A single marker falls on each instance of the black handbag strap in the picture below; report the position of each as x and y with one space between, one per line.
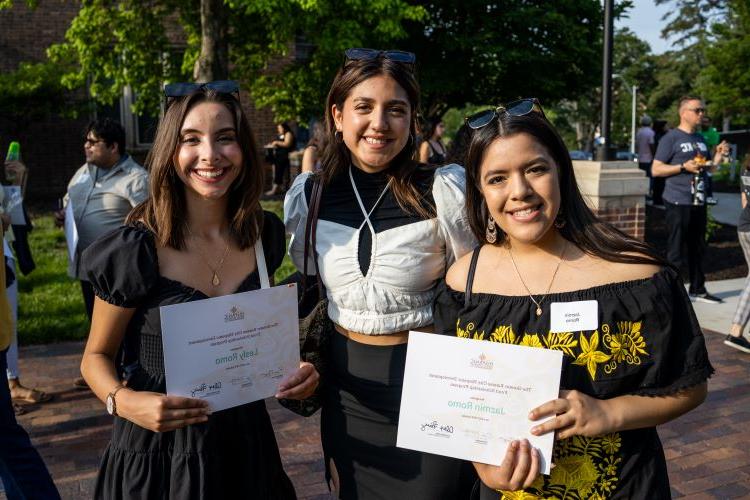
311 226
470 276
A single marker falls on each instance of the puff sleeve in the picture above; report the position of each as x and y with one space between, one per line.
122 266
449 192
274 241
295 218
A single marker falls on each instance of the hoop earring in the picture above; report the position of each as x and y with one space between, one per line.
559 220
338 136
412 140
491 233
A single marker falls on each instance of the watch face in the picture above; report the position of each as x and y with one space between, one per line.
110 404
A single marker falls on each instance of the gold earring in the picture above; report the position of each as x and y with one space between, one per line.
491 233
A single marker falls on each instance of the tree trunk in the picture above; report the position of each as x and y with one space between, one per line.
213 62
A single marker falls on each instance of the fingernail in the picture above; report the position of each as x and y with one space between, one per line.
531 415
535 430
514 445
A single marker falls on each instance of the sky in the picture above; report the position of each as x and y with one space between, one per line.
645 20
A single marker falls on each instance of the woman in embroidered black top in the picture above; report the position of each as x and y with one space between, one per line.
645 363
199 235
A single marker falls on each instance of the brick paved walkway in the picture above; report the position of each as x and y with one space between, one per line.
708 450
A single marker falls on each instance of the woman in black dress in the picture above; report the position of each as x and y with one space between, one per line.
195 237
643 365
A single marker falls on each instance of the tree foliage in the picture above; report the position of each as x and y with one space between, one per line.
468 52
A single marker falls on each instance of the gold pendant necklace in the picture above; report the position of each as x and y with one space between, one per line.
538 303
215 281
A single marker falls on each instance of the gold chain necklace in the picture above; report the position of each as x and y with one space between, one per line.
215 281
538 303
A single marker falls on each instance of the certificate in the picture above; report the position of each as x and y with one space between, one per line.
14 205
233 349
469 399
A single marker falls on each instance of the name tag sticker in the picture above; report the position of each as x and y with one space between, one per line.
574 316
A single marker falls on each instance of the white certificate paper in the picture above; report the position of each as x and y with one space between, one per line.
14 204
233 349
469 399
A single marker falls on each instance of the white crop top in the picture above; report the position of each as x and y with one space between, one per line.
406 262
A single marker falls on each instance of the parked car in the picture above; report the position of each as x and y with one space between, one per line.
625 156
577 154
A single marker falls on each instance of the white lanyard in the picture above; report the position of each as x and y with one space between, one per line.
260 264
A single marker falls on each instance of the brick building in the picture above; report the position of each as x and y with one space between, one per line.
53 148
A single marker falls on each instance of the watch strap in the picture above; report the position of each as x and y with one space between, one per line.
111 397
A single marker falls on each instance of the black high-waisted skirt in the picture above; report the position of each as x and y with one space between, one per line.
359 422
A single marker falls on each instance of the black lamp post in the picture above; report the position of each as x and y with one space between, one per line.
605 151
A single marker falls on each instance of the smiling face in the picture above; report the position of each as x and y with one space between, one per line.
208 157
374 122
520 184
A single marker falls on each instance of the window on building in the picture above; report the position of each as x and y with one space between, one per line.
139 129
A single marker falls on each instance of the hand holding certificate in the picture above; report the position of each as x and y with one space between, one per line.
233 349
469 399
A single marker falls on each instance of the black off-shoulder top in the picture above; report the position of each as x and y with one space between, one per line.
648 343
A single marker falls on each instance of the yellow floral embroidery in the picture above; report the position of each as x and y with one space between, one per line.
585 468
626 346
561 341
589 356
531 340
469 332
504 334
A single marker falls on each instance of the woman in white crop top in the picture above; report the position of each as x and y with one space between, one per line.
387 230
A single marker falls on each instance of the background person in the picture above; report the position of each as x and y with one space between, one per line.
678 159
736 336
22 470
16 171
192 239
644 364
432 150
645 146
282 146
314 149
387 229
102 191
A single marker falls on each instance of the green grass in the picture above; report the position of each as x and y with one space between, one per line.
50 303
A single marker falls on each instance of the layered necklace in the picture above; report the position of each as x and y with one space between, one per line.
215 281
538 303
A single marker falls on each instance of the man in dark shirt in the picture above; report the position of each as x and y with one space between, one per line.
678 158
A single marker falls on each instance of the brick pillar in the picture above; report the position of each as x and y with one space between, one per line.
616 192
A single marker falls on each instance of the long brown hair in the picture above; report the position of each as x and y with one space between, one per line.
336 157
582 227
163 213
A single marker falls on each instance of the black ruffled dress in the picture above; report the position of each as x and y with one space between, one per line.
234 454
648 343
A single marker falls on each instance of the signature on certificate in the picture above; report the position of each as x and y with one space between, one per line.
435 426
206 389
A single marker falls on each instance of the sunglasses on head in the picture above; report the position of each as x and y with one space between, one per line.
370 54
520 107
188 88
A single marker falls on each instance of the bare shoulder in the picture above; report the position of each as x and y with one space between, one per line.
458 272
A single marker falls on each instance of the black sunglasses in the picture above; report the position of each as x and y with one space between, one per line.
369 54
187 88
520 107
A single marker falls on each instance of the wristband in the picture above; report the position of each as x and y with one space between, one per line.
682 168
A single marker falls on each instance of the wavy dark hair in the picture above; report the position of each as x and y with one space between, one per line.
582 227
163 213
336 157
